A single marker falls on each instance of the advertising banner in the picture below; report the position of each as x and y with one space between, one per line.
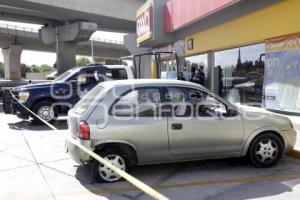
282 74
144 23
179 13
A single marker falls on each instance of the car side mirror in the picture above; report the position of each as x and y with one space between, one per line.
231 112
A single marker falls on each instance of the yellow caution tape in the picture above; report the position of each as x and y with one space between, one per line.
134 181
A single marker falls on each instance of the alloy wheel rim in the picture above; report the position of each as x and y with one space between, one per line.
46 113
266 151
106 173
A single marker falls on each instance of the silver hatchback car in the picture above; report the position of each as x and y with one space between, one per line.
137 122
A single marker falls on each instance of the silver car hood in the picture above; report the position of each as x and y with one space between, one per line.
264 118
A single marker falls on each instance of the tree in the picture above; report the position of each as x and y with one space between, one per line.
45 68
82 61
40 69
24 69
34 68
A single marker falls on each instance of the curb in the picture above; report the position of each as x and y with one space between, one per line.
294 153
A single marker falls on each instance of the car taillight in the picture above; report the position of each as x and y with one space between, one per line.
84 130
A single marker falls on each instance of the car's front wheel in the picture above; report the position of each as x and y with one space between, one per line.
105 174
266 150
46 111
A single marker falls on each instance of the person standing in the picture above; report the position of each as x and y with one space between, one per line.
192 74
198 76
201 75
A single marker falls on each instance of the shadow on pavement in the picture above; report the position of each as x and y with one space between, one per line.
29 125
202 173
84 175
60 124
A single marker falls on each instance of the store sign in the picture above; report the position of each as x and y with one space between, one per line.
282 74
179 13
144 23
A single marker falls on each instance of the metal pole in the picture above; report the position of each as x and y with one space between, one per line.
57 50
92 50
178 66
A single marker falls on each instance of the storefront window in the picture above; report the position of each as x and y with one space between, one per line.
282 74
197 62
168 69
239 74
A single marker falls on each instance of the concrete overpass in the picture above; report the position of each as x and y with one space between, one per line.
69 22
118 15
29 39
13 39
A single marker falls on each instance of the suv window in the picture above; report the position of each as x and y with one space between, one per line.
87 77
189 102
117 74
142 102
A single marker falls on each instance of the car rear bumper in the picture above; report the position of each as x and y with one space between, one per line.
75 152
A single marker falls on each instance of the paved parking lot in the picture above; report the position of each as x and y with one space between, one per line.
34 166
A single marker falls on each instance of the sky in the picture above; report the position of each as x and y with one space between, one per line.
39 58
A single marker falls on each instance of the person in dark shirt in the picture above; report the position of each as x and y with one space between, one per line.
192 74
201 75
180 77
198 76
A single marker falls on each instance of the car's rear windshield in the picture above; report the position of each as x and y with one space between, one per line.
87 100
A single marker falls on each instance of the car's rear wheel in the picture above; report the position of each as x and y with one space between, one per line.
266 150
105 174
46 111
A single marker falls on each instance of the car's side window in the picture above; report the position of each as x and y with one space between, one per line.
86 78
179 102
119 74
189 102
142 102
209 106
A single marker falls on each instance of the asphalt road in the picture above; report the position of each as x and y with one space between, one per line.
34 166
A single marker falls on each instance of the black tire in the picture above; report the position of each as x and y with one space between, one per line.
40 105
109 153
266 150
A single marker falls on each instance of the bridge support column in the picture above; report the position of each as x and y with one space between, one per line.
12 62
65 56
66 37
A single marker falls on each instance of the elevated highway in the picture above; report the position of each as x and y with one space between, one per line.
14 39
29 39
67 26
118 15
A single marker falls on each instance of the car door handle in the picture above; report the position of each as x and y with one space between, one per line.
176 126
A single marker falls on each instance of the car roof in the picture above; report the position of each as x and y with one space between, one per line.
117 66
97 66
150 82
160 82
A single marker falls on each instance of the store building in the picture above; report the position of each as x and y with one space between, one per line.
250 49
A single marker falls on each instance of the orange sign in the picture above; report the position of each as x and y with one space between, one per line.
144 23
